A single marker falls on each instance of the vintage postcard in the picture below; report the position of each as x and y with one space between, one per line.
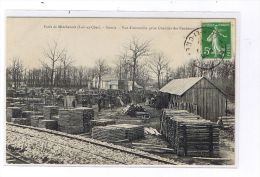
120 91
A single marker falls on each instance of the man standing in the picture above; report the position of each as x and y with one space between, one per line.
99 103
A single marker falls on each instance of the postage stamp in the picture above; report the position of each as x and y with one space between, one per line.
216 40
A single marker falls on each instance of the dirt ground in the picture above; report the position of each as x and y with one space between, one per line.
227 144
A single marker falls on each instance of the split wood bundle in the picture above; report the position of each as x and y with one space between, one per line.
190 135
21 121
48 124
108 133
13 112
37 113
102 122
132 132
70 121
35 120
37 106
20 105
87 114
27 114
49 111
55 118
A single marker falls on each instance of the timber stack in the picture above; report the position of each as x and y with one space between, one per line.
13 112
102 122
108 133
70 121
49 111
189 134
35 119
118 132
86 114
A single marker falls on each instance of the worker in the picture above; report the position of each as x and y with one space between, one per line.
73 103
99 103
220 123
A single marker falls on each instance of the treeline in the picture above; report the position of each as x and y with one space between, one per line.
220 72
57 69
137 63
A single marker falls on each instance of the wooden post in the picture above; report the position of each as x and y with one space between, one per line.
210 140
226 108
185 139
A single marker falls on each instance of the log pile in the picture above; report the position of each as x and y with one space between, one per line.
108 133
70 121
21 121
132 132
87 114
13 112
48 124
35 120
49 111
113 133
190 135
27 114
37 106
102 122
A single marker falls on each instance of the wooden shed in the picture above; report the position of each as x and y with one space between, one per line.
198 95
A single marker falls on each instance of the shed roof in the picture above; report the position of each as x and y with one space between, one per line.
180 86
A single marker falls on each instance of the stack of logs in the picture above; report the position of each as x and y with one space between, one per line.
113 133
108 133
70 122
87 114
132 132
102 122
75 121
16 115
49 111
189 134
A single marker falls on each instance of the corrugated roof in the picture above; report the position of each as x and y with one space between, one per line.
180 86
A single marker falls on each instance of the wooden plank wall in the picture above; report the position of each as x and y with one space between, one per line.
211 103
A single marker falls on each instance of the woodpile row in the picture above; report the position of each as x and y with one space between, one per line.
189 134
114 133
73 121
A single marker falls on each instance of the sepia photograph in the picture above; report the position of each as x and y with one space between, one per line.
121 91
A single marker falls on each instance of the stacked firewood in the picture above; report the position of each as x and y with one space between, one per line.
189 134
102 122
87 114
13 112
113 133
48 124
70 121
49 111
132 132
35 120
108 133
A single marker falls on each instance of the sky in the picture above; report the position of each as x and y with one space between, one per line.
89 39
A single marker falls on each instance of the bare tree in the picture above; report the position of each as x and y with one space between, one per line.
158 64
101 69
66 62
52 55
138 49
16 71
143 75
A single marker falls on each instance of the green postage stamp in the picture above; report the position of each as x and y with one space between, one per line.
216 40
